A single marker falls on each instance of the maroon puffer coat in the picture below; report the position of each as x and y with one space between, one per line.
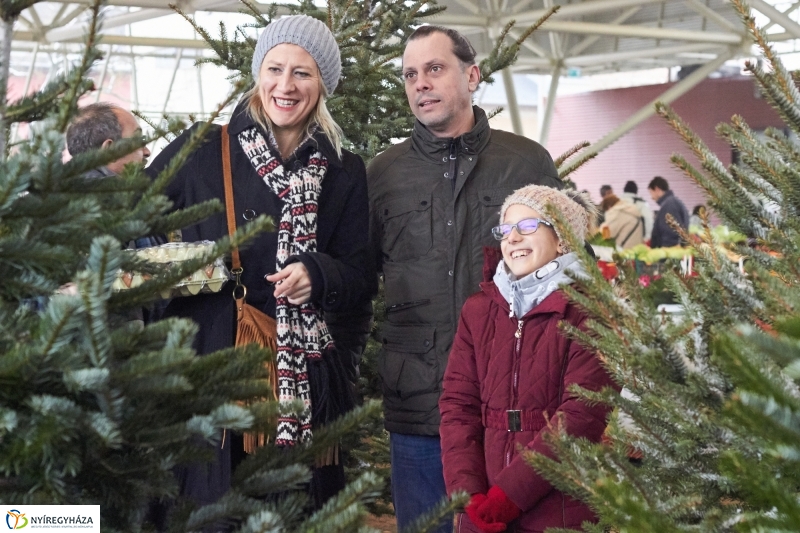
495 380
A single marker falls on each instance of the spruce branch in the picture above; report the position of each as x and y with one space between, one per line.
503 55
560 160
69 102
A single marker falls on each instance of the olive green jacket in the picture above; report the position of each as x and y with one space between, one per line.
433 202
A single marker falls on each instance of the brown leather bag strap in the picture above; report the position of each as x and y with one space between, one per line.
229 208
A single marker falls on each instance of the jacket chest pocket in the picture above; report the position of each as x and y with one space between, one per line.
407 228
491 200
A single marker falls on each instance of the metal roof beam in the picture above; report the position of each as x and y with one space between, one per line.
791 8
79 30
614 57
574 10
227 6
669 96
705 11
529 17
642 32
589 41
160 42
777 17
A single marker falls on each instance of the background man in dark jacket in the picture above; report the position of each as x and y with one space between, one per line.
669 204
433 201
99 126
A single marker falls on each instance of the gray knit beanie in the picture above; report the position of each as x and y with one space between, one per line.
312 36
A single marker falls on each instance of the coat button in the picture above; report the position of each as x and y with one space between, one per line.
449 222
332 297
446 174
450 273
427 343
444 159
470 159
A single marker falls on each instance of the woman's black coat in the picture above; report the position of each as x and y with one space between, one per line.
342 279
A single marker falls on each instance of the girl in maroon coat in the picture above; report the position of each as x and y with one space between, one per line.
510 369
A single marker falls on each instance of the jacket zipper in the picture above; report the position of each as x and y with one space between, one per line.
453 160
515 374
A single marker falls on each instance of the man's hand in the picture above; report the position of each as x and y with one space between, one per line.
293 282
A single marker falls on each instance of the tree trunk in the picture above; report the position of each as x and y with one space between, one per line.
7 29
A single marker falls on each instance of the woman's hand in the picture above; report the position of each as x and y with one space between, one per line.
293 282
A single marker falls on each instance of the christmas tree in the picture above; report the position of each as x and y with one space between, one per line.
97 408
706 434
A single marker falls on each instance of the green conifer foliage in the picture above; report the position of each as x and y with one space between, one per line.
95 407
711 399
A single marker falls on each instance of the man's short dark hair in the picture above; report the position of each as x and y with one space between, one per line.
659 182
462 48
631 187
91 127
605 189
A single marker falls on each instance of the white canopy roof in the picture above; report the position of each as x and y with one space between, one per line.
594 36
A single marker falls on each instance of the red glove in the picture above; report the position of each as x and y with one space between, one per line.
472 512
498 508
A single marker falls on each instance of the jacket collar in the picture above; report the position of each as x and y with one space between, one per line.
556 303
665 197
472 142
99 172
241 120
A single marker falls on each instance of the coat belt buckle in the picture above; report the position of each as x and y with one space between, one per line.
514 420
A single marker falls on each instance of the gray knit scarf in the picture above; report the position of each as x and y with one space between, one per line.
302 333
525 293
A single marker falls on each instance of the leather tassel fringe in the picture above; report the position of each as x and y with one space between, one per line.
328 457
253 326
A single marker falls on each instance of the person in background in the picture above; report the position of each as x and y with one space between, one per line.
287 163
510 371
623 222
433 200
630 194
605 190
99 126
695 219
669 204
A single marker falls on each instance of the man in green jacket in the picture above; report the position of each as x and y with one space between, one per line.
433 201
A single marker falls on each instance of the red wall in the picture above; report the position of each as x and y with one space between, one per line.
644 152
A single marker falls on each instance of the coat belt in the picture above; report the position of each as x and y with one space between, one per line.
514 419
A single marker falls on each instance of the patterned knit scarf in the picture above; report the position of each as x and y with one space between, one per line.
302 333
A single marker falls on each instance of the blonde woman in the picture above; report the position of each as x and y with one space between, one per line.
287 162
